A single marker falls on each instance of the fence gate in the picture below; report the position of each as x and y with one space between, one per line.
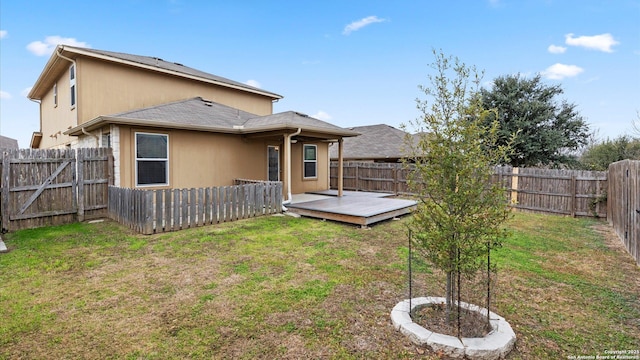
52 187
623 200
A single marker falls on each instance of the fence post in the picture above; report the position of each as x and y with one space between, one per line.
573 195
80 182
148 212
514 185
6 169
357 177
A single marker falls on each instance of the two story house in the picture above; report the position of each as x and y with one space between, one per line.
172 126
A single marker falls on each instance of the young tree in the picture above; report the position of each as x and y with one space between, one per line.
548 130
460 211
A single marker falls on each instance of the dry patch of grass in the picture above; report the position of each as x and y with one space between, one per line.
279 287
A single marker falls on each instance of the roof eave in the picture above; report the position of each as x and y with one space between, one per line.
293 126
103 120
37 91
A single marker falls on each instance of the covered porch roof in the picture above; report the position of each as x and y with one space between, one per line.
198 114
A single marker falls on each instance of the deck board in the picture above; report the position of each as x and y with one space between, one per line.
360 210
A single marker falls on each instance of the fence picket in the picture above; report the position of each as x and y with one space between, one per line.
155 211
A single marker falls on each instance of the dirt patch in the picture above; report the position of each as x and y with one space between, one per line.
434 318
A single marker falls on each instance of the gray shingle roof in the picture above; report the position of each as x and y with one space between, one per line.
195 111
375 142
8 143
171 66
203 115
291 119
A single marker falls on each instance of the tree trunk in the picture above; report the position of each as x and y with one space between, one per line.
449 296
488 282
459 290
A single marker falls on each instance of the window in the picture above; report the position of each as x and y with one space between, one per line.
152 159
72 84
55 95
106 140
310 160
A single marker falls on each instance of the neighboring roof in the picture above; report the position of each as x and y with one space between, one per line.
204 115
8 143
57 64
374 143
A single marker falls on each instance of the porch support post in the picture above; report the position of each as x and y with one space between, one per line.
286 192
287 164
340 169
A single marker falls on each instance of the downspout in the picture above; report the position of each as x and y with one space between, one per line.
287 161
93 135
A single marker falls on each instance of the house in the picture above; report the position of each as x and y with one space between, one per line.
172 126
376 143
8 143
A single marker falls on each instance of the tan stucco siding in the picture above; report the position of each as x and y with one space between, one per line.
56 119
106 88
199 159
321 182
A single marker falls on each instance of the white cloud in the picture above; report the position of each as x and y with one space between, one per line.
357 25
561 71
42 48
321 115
555 49
602 42
26 91
4 95
3 34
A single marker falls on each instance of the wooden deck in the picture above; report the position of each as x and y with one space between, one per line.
369 194
354 209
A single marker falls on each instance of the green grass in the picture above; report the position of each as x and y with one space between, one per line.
280 287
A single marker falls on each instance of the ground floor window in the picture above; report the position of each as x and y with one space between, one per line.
310 161
152 159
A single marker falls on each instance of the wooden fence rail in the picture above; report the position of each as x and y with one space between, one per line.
624 204
156 211
568 192
53 187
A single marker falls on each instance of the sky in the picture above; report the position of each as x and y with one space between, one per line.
351 63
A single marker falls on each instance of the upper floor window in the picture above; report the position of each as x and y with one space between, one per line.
55 94
152 159
310 161
72 84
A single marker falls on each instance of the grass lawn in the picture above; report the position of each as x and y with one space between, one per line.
286 288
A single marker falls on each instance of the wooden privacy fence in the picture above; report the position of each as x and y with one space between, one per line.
624 204
569 192
375 177
53 187
559 191
156 211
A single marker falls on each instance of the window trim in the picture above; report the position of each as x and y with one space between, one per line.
55 94
305 161
136 159
73 99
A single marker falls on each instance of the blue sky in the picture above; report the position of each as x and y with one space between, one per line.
350 63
